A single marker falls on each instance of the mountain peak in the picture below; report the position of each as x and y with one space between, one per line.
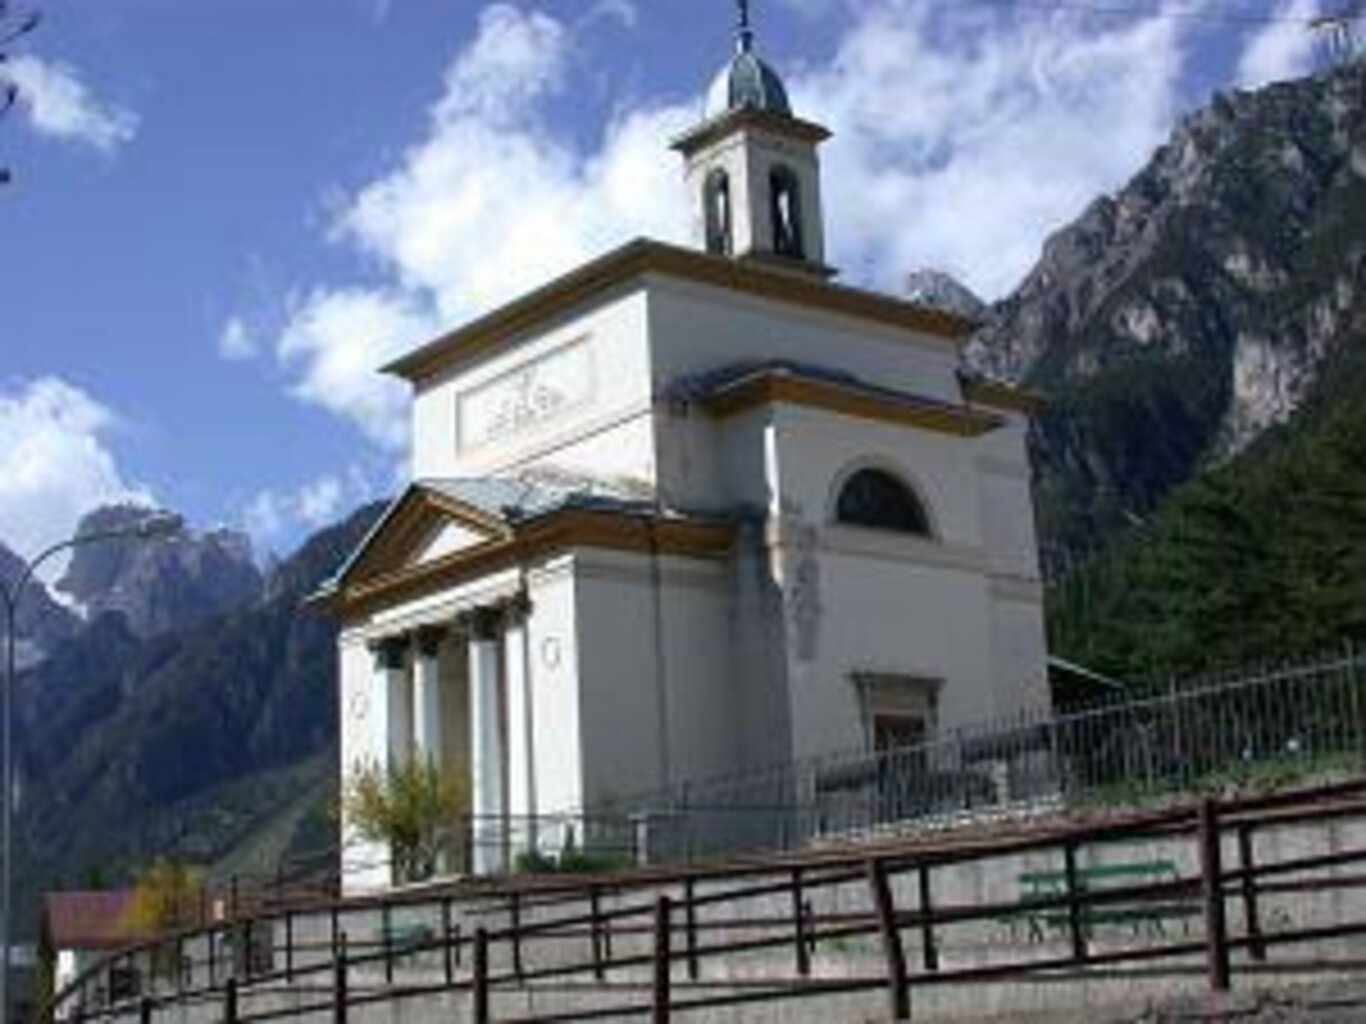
160 585
938 289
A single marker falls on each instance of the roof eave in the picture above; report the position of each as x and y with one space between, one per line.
642 256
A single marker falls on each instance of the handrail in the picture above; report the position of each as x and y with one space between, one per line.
824 869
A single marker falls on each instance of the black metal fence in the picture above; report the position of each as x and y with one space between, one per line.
1267 729
1273 728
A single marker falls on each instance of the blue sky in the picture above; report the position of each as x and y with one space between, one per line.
226 213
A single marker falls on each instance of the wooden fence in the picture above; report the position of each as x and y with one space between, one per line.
668 938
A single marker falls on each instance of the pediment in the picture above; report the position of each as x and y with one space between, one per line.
423 528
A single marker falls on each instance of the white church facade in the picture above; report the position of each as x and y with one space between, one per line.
690 512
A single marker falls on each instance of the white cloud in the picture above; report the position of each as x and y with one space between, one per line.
59 104
624 12
273 516
55 463
1283 49
337 340
236 341
963 135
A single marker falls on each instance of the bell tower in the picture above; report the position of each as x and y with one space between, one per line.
752 167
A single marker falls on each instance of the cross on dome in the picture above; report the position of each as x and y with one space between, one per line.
745 30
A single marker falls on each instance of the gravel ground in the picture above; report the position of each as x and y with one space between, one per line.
1343 1002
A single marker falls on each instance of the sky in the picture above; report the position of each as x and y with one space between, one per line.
227 214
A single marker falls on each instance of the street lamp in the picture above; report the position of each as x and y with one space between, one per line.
155 526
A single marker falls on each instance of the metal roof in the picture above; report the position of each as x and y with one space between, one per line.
515 499
746 81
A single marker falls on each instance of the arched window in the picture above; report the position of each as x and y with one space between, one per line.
876 499
785 197
716 204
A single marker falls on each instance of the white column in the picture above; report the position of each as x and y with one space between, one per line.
521 741
487 751
427 697
398 695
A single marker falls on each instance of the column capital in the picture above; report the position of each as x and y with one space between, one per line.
482 623
429 640
517 608
390 652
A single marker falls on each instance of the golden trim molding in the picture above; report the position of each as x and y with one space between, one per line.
997 395
557 531
627 265
852 400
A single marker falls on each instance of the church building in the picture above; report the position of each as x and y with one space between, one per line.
686 513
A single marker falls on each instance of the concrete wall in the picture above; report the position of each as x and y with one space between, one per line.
1101 992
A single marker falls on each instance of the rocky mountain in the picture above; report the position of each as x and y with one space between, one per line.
1178 320
43 623
940 290
173 583
140 737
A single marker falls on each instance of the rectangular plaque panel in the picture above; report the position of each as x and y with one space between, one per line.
525 398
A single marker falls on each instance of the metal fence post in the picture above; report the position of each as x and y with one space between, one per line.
898 986
1216 924
230 1002
479 990
145 1010
289 946
386 930
340 996
595 930
515 923
799 924
1256 944
448 954
662 961
931 948
1076 917
690 924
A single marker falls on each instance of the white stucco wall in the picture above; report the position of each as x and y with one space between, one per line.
555 674
867 601
541 398
655 701
696 327
364 721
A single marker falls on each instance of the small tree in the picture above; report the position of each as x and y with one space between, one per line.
166 897
407 806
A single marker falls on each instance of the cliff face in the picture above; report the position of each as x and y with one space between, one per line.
193 706
159 587
1178 320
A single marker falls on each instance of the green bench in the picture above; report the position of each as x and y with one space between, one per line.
398 939
1142 914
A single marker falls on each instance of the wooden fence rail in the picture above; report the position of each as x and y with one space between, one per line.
668 941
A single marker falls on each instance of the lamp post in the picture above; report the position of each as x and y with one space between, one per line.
153 527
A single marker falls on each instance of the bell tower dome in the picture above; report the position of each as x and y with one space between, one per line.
752 168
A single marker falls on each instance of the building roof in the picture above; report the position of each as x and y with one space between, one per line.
88 920
747 82
521 519
743 385
517 499
609 274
